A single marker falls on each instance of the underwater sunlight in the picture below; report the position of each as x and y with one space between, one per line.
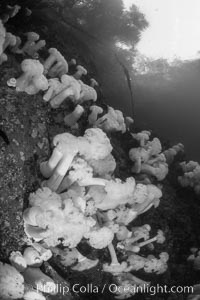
174 29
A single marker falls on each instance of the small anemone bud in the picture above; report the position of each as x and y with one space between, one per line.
123 233
72 62
32 257
93 82
95 111
12 82
80 71
72 118
128 121
17 260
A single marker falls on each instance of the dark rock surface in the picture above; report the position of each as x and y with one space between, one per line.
23 119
